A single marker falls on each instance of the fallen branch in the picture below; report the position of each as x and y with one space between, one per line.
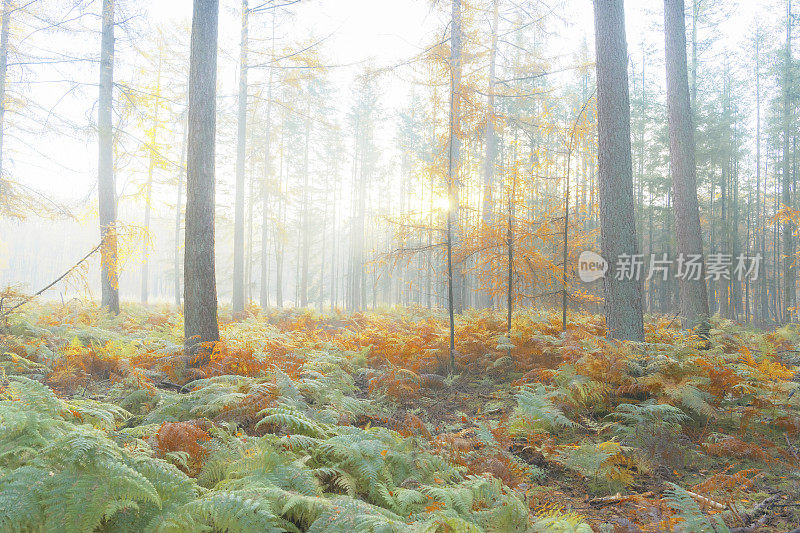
617 498
4 312
707 501
753 518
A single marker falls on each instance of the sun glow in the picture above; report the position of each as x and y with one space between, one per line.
440 203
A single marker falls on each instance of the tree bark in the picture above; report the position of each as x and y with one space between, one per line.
693 293
178 216
455 274
279 244
623 302
306 211
3 69
760 312
238 231
491 149
106 186
200 289
149 187
264 300
789 275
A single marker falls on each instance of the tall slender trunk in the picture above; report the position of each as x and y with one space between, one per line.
248 262
200 286
789 274
107 189
306 212
454 268
334 288
151 165
3 69
432 187
759 313
565 248
454 275
279 244
623 302
321 294
264 299
510 238
178 217
241 140
491 150
693 292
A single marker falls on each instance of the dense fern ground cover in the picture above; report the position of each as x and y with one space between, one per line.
302 422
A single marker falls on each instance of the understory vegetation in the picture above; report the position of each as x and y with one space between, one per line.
349 422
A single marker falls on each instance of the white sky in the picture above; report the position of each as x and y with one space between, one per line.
360 32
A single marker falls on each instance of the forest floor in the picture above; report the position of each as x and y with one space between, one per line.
349 422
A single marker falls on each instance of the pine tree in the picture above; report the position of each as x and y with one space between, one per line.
623 301
200 290
693 295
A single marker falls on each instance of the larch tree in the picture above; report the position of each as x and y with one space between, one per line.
265 187
490 139
623 301
241 138
200 286
176 258
305 209
106 185
454 268
789 270
689 240
4 29
151 165
455 280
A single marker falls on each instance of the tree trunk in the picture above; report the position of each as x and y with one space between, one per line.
306 210
623 302
510 237
455 274
321 293
760 312
789 275
178 217
491 152
279 244
200 286
264 300
238 231
3 69
149 187
693 293
106 186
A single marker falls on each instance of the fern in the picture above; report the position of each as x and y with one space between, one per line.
292 420
236 511
606 463
560 522
691 517
536 411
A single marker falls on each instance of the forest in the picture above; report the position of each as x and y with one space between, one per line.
433 266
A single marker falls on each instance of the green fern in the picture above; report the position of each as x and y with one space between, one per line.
692 519
536 412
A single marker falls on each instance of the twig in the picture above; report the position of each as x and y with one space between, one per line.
59 278
617 498
752 516
706 501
